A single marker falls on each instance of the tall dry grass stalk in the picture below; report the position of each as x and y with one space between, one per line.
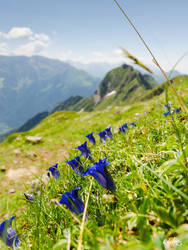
154 58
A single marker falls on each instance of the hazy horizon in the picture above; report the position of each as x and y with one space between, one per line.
89 32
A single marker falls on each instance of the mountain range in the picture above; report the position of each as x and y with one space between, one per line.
122 85
30 85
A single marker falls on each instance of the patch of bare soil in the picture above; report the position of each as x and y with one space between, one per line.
26 166
19 174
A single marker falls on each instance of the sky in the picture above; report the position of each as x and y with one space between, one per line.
94 30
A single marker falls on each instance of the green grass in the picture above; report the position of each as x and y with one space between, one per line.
147 166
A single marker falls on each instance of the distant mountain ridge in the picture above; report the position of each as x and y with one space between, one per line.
122 85
30 85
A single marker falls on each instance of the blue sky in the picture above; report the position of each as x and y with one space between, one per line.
94 30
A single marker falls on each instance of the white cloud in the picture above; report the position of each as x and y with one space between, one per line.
31 48
97 54
111 58
117 52
1 34
37 42
94 57
18 32
24 32
4 49
41 37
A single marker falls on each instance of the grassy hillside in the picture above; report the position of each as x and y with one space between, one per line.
149 206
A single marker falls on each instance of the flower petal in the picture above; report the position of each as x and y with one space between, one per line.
72 201
99 172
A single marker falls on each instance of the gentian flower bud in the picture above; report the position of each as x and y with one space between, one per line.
103 136
166 114
123 128
85 150
91 138
54 171
168 106
29 197
108 132
76 165
177 110
133 124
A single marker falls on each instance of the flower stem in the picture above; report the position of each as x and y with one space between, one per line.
84 217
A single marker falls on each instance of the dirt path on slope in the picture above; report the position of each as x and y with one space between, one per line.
26 166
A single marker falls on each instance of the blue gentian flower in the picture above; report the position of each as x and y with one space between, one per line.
108 132
103 136
73 202
91 138
168 106
85 150
123 128
177 110
99 172
166 114
76 165
29 197
133 124
54 171
8 234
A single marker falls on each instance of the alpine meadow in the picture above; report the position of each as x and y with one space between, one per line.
93 163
